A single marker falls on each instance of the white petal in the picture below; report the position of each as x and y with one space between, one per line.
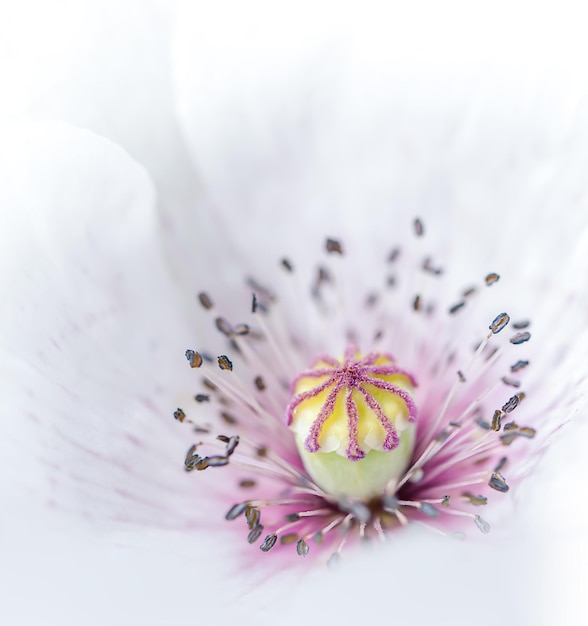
308 121
93 334
104 65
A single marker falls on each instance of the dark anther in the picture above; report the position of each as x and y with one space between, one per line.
224 363
499 322
287 265
492 278
192 459
255 533
288 538
430 268
217 461
302 548
456 307
292 517
268 543
520 338
205 300
482 423
416 303
501 464
241 329
236 510
511 382
194 358
247 483
201 397
232 443
470 291
394 253
519 365
496 420
223 326
475 500
333 246
179 415
253 515
460 375
419 228
521 325
259 383
228 418
498 482
223 438
511 404
254 304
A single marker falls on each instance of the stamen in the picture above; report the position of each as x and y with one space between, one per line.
224 363
205 300
520 338
491 279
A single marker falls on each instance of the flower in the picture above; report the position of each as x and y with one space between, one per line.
95 319
354 443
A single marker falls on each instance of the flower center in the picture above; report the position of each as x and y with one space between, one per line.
353 422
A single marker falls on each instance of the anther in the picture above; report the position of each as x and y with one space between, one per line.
496 420
394 254
268 543
519 365
416 303
224 363
287 265
288 539
475 500
255 534
456 307
201 397
194 358
498 482
205 300
521 325
228 418
499 322
259 383
520 338
247 483
241 330
252 514
511 404
501 464
419 228
511 382
179 415
491 279
302 547
223 326
232 443
217 461
333 246
236 511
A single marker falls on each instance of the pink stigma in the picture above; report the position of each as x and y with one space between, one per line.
351 377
